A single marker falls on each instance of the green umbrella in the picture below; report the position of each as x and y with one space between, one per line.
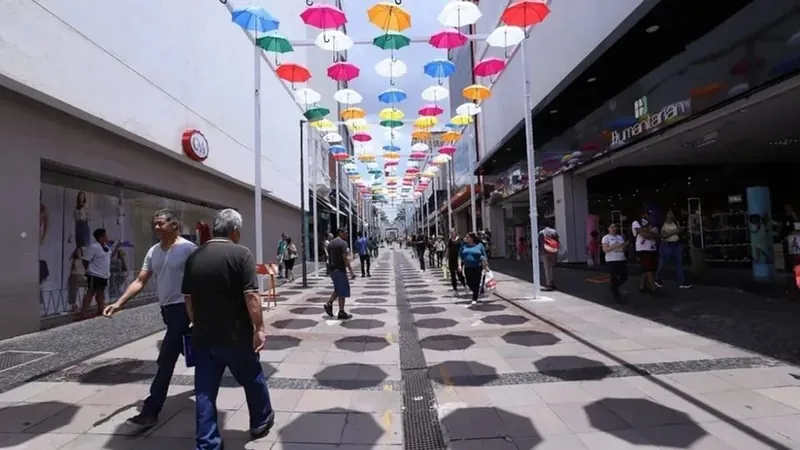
391 123
316 113
391 41
275 43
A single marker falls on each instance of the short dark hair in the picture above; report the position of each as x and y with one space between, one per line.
167 214
288 240
98 233
341 230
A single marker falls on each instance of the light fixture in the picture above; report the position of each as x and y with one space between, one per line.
785 142
652 28
591 80
553 111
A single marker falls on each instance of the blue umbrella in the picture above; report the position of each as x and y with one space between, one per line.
392 96
451 125
391 148
439 68
255 18
337 149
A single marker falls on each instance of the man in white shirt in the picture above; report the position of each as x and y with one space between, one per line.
165 261
549 242
97 261
614 246
646 235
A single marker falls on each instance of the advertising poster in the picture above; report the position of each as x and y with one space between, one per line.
759 220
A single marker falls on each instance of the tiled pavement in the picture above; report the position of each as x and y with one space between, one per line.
513 373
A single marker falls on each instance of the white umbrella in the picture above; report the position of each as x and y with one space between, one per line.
459 13
327 129
506 36
348 97
332 138
333 41
441 159
307 96
420 147
468 109
391 69
356 123
435 94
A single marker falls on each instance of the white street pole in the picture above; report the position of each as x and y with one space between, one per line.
472 181
338 200
526 89
257 154
314 169
449 204
435 206
350 217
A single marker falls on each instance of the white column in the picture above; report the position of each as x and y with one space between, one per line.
571 208
257 154
449 198
436 205
314 182
472 179
531 170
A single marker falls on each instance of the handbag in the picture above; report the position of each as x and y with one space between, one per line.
551 245
188 352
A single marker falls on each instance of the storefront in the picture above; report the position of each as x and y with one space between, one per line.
66 178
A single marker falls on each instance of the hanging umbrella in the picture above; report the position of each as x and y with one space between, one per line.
332 138
391 155
489 67
366 157
392 96
453 126
339 153
334 41
391 69
441 159
348 97
412 170
307 96
275 43
343 71
389 17
447 150
476 92
420 147
426 122
358 128
316 114
451 136
356 124
255 18
525 13
505 37
352 113
421 135
350 167
391 40
391 123
468 109
324 123
448 39
323 16
391 148
293 73
417 156
362 137
439 68
391 114
435 94
461 121
459 13
430 110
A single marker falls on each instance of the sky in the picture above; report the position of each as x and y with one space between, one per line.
369 84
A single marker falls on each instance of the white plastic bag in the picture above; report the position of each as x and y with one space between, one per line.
489 282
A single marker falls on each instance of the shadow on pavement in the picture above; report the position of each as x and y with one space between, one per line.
505 319
350 377
372 300
360 344
446 342
362 324
530 338
462 373
308 311
435 324
293 324
34 419
427 310
491 423
281 342
572 368
331 427
368 311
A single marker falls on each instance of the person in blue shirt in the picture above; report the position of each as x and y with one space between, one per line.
362 245
472 262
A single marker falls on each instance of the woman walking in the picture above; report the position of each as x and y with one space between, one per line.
290 256
473 263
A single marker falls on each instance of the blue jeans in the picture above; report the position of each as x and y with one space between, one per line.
210 364
671 251
177 320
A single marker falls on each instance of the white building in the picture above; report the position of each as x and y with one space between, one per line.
95 98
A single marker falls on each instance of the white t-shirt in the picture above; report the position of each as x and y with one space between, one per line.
671 226
643 244
167 267
616 254
99 260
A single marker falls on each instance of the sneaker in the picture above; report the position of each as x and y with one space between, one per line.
329 309
474 303
369 276
685 286
264 429
659 283
143 420
344 316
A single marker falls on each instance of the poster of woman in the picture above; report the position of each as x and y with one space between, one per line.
759 221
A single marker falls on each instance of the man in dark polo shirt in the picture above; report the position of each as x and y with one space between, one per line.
221 290
339 265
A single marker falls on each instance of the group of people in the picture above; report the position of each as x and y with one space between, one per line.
287 256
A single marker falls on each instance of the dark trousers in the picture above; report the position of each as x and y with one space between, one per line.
177 321
364 264
421 256
455 275
619 274
210 364
439 258
473 277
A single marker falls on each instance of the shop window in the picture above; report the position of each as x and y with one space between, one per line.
640 107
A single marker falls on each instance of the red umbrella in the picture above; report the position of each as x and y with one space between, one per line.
417 156
412 170
525 13
448 39
343 71
431 110
362 137
489 67
323 16
293 73
447 150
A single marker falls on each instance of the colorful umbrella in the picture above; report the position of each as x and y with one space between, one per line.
275 43
255 18
333 138
391 40
435 94
421 135
362 137
391 148
476 92
392 96
343 71
391 123
505 37
323 16
451 136
324 126
392 156
461 120
417 156
448 40
350 167
307 96
489 67
468 109
293 73
447 150
420 147
441 159
389 17
333 41
366 157
430 110
339 153
426 122
348 97
316 114
391 114
459 13
525 13
391 69
352 113
439 68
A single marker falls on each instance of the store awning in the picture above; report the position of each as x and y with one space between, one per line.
327 206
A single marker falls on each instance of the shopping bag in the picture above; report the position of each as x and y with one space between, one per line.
188 352
489 281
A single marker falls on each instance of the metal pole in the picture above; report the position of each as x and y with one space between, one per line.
436 204
449 203
315 174
304 219
472 181
526 89
338 199
257 154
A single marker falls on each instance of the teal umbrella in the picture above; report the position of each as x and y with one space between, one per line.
275 43
316 114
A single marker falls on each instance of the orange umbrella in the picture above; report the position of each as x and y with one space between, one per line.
389 17
352 113
451 136
476 92
420 135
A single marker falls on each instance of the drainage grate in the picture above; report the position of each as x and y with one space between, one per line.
12 358
421 427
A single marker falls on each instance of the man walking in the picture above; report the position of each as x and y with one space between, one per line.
362 245
646 251
221 289
420 244
614 246
165 262
328 240
453 254
280 255
550 244
339 262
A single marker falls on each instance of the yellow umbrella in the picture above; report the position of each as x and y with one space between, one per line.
476 92
359 128
426 122
323 124
352 113
391 155
461 120
391 114
389 17
420 135
366 157
451 136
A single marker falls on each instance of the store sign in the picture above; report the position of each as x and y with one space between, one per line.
195 145
648 123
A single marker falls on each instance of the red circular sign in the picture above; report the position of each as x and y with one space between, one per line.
195 145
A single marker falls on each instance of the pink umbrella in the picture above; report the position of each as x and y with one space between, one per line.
323 16
417 156
390 164
362 137
489 67
448 39
447 150
430 110
412 170
343 71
